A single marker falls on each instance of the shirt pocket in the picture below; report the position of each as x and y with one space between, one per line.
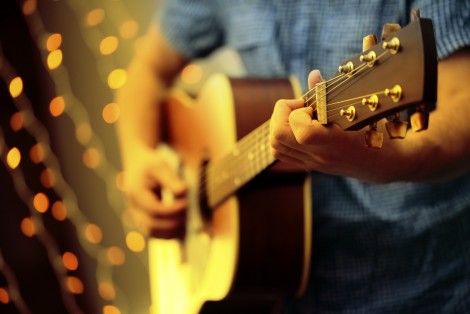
252 33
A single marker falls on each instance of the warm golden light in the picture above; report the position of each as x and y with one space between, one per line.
57 106
17 121
59 211
70 261
93 233
75 285
27 227
54 59
120 181
129 29
83 133
109 45
135 241
127 219
107 291
29 7
4 296
16 87
116 255
117 78
37 153
13 158
47 178
111 113
192 74
53 42
41 202
111 309
94 17
92 158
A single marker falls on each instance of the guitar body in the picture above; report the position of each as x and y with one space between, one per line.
254 248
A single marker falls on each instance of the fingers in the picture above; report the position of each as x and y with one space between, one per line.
314 77
168 226
166 177
306 130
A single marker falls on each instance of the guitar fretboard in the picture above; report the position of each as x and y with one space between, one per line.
250 156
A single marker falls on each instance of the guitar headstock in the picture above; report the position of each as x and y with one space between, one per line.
398 73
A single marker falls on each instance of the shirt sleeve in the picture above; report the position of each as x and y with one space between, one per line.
190 26
451 20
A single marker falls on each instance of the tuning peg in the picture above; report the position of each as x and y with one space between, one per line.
368 42
415 14
373 138
396 128
389 30
420 119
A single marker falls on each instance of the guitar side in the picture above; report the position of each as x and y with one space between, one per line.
256 246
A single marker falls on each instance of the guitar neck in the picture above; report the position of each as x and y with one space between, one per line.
248 158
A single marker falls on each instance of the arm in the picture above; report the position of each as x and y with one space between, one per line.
151 71
439 153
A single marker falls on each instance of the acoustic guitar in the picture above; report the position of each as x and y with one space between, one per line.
249 227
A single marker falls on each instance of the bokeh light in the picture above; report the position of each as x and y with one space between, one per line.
135 241
17 121
111 309
53 42
59 211
129 29
94 17
115 255
4 296
109 45
117 78
107 291
57 106
54 59
92 157
47 178
70 261
37 153
13 158
93 233
111 113
27 227
75 285
16 87
83 133
41 202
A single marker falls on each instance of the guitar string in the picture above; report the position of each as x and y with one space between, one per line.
245 173
248 140
239 147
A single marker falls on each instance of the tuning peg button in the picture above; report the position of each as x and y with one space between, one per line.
419 121
396 128
373 138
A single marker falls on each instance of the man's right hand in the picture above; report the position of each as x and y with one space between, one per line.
144 180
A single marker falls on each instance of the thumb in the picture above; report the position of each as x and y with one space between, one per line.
314 77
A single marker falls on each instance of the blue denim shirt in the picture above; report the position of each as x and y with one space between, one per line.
377 248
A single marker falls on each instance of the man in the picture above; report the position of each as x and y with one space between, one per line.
391 225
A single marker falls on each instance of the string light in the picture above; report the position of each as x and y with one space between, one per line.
94 157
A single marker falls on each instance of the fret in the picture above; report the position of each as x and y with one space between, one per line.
247 159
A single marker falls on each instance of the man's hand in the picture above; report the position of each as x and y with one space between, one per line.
434 155
144 182
298 139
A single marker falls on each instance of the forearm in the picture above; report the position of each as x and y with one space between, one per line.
150 73
139 101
